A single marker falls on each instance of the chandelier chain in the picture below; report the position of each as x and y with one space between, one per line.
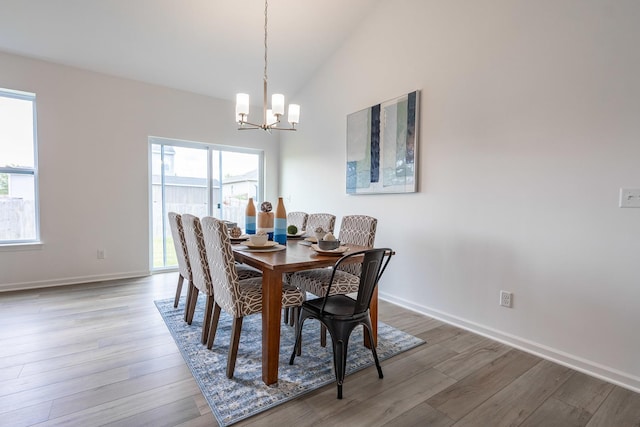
265 41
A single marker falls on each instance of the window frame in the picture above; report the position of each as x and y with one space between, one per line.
26 96
210 149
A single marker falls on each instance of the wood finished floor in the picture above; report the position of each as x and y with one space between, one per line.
100 354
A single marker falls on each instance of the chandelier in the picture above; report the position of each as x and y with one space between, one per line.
270 117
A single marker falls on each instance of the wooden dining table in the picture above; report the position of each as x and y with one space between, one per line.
297 256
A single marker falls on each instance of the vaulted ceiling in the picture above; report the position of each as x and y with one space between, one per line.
212 47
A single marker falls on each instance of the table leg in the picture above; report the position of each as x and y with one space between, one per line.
373 312
271 310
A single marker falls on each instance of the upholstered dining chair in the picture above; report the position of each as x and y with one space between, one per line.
354 229
299 219
325 220
341 313
201 278
184 268
357 230
239 298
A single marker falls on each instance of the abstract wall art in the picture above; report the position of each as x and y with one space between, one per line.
382 143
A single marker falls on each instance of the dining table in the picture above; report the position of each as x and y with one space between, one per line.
297 256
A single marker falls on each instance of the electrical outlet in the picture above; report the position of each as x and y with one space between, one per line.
100 254
505 299
629 198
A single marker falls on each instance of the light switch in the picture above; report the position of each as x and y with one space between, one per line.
630 198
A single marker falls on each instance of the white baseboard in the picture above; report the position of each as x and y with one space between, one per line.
588 367
71 281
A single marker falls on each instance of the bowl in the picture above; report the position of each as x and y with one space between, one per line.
258 239
328 245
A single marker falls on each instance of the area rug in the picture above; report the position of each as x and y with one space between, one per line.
232 400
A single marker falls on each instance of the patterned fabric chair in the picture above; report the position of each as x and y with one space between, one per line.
299 219
237 297
201 277
324 220
184 268
354 229
357 230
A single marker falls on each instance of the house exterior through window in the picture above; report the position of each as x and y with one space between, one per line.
19 220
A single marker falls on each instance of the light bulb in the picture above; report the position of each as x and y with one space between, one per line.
242 106
294 113
277 103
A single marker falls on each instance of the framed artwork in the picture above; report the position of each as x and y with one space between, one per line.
382 143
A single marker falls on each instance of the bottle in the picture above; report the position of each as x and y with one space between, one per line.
280 223
250 218
265 220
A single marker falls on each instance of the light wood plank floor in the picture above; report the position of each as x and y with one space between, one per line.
100 354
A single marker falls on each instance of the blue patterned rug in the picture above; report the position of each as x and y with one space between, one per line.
232 400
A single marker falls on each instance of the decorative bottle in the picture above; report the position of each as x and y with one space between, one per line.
250 217
265 219
280 223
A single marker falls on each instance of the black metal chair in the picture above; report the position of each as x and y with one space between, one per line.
341 313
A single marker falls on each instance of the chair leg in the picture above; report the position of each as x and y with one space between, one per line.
295 320
297 347
178 291
296 313
340 363
286 315
187 302
373 350
213 328
207 319
233 346
323 335
193 302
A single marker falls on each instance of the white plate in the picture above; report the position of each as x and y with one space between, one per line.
263 249
267 245
313 240
298 234
337 251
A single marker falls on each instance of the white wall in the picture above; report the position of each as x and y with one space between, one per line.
93 156
529 126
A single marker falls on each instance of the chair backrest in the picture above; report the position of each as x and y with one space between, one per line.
299 219
357 230
177 232
225 282
373 264
325 220
197 253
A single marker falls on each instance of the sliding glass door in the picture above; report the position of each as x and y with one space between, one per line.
198 179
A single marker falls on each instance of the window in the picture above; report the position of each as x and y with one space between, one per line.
202 180
18 168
